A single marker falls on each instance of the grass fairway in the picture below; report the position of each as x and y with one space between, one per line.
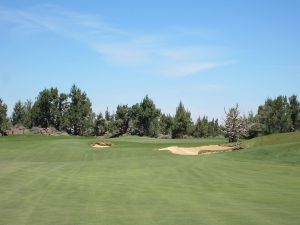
63 181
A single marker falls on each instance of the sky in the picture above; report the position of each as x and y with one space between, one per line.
209 54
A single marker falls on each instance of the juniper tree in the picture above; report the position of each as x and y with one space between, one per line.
4 123
100 126
182 122
166 124
275 116
28 114
79 112
294 107
145 116
19 114
122 118
201 128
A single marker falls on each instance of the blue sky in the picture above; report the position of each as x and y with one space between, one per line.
209 54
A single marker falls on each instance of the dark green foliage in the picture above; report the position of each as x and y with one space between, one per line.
22 114
254 128
41 109
122 118
145 116
205 128
140 119
4 122
49 109
182 122
217 129
100 125
281 118
28 114
110 123
72 113
61 118
79 113
166 124
279 115
294 111
19 114
135 124
201 127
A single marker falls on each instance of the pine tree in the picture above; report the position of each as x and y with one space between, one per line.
47 110
122 118
28 114
19 114
4 122
281 115
146 117
100 126
166 124
79 112
182 122
294 108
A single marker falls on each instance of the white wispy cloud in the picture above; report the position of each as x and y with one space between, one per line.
118 46
189 68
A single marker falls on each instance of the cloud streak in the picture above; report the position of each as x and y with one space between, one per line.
189 68
118 46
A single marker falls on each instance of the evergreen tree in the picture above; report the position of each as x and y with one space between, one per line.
79 112
110 122
211 128
4 122
182 122
217 130
41 110
254 128
281 118
108 117
122 118
197 131
275 116
46 110
134 125
146 117
205 128
166 124
28 114
100 125
265 116
60 115
19 114
294 108
201 128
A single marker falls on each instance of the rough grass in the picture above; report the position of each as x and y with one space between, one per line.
61 180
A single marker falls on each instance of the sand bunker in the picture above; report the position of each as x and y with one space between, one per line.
199 150
101 144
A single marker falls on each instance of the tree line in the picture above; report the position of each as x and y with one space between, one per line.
73 114
278 115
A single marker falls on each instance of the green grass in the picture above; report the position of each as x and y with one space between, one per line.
63 181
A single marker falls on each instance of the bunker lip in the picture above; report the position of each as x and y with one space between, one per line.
199 150
101 145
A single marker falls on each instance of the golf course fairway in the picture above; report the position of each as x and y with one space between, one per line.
47 180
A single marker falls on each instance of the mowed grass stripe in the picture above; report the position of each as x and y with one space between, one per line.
55 180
